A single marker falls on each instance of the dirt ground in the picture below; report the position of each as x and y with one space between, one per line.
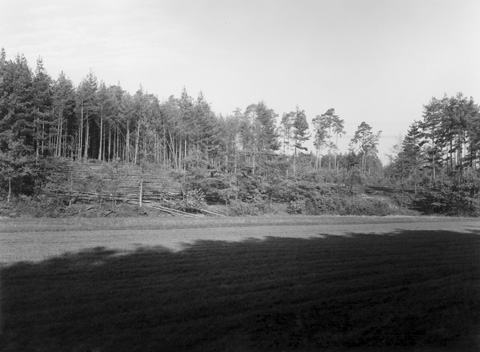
36 240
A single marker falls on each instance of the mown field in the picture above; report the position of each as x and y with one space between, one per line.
407 290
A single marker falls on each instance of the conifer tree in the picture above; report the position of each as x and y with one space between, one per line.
42 87
63 115
364 143
300 134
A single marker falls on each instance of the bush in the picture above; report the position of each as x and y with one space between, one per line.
192 201
450 196
297 206
257 206
367 206
331 205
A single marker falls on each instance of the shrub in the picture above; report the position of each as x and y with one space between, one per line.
367 206
331 205
257 206
450 196
297 206
192 201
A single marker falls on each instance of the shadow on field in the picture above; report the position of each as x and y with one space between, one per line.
413 291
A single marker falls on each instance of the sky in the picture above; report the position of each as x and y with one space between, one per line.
373 61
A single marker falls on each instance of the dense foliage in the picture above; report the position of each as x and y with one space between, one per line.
439 158
240 159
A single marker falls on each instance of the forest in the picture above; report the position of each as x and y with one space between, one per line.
251 160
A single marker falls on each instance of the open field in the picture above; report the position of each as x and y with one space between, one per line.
39 239
245 284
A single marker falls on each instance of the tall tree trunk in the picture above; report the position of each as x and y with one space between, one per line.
336 151
116 152
87 137
65 149
185 154
80 134
137 141
109 151
180 164
145 156
127 146
164 146
58 149
100 148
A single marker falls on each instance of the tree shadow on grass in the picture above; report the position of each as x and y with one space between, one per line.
413 291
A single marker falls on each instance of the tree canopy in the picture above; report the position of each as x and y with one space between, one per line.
42 117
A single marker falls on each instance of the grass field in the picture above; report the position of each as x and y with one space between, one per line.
403 291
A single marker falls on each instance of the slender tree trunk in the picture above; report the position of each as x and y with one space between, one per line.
137 140
109 151
145 156
35 124
58 149
80 133
180 151
65 139
100 148
164 146
171 154
451 155
127 146
336 151
116 152
87 137
185 155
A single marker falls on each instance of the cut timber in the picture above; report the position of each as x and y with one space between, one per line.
170 211
126 183
210 212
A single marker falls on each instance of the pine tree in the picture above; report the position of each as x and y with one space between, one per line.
17 129
43 109
300 134
326 126
17 119
86 111
63 115
259 133
364 143
410 161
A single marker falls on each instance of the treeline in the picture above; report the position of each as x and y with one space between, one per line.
53 118
244 156
439 157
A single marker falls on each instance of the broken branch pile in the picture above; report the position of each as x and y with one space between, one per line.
118 182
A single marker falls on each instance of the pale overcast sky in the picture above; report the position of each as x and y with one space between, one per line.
377 61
